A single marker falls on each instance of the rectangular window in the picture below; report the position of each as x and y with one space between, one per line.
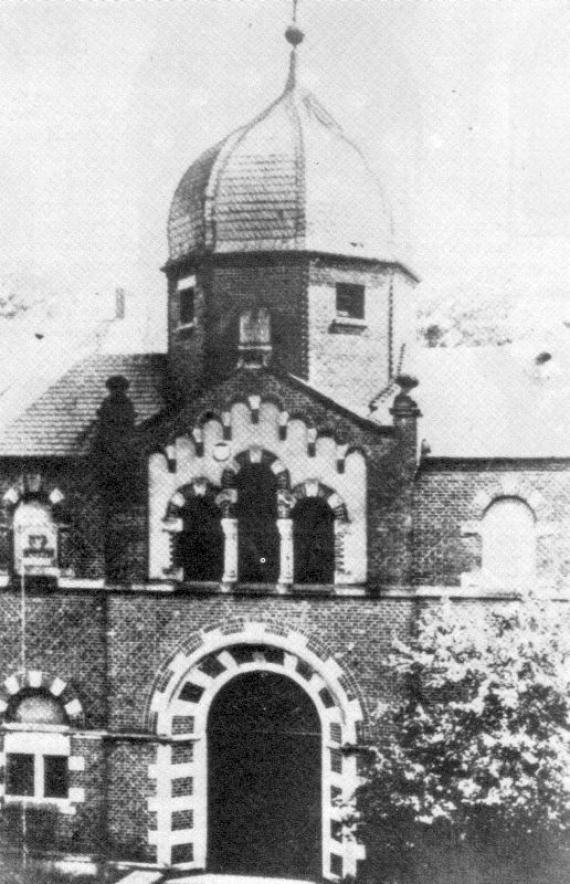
55 776
20 775
36 776
186 289
349 300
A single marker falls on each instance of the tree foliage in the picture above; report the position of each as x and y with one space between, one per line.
475 763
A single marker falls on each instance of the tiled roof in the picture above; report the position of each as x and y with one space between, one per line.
61 420
504 402
289 180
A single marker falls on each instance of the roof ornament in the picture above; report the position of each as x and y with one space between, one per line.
295 36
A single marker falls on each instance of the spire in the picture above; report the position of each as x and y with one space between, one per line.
294 35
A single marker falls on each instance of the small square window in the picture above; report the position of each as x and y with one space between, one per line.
55 776
349 300
186 298
20 775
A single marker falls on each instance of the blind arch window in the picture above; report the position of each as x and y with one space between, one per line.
509 543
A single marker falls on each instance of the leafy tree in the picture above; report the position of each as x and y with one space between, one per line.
471 779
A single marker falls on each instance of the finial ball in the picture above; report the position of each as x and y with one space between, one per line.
294 35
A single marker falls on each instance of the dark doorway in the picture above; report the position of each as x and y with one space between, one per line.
200 545
264 773
258 537
313 541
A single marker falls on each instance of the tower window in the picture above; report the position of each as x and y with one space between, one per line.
349 300
186 300
254 337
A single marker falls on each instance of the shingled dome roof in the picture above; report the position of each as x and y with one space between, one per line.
288 180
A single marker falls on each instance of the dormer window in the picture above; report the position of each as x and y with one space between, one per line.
349 301
186 289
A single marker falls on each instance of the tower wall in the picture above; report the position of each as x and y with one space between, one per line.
348 358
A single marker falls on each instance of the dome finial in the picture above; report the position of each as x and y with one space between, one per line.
294 35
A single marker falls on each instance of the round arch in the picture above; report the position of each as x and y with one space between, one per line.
35 680
178 712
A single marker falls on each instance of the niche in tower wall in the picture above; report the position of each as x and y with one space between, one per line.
258 537
199 547
313 541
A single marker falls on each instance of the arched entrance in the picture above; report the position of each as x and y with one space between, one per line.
264 775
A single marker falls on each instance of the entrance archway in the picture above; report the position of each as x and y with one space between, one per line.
264 775
179 709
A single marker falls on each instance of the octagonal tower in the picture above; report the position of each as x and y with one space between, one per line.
282 232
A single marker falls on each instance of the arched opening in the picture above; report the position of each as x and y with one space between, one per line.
313 541
509 542
258 538
264 774
200 544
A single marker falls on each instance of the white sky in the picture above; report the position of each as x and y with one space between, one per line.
461 106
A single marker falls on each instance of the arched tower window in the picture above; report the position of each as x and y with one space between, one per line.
509 542
254 337
258 543
313 541
199 547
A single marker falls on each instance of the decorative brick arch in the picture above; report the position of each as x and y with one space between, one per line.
314 488
173 521
178 713
505 487
510 486
198 487
35 679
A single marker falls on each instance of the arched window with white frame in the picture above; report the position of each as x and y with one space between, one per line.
36 749
509 543
35 539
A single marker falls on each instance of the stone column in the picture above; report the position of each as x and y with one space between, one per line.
230 529
286 554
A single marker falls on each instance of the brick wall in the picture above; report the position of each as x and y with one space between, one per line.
278 282
83 549
186 346
449 495
65 637
129 788
350 361
299 291
147 631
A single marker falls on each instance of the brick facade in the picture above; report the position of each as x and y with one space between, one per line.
133 651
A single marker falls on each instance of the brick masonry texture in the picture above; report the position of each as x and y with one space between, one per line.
65 637
152 629
447 496
129 787
143 632
299 290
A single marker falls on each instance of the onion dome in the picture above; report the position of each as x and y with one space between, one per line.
290 180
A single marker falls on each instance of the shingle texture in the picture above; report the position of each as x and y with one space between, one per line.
60 421
290 179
